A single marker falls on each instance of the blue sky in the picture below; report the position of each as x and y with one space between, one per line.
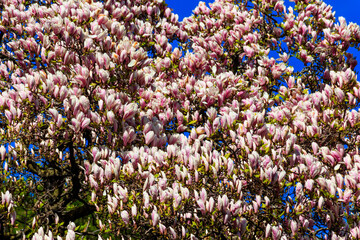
346 8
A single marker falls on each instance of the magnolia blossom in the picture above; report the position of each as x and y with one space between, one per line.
121 118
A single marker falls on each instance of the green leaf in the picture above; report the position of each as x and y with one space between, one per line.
192 122
305 91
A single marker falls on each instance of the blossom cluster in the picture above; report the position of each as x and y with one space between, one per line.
110 129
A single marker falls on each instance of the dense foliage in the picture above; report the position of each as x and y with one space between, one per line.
118 120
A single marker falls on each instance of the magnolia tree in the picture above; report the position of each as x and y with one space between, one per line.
120 121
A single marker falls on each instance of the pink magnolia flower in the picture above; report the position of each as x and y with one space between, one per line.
111 117
134 210
173 233
6 198
2 152
149 137
129 111
155 217
309 184
162 228
267 230
71 234
294 227
347 196
125 217
249 51
276 232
